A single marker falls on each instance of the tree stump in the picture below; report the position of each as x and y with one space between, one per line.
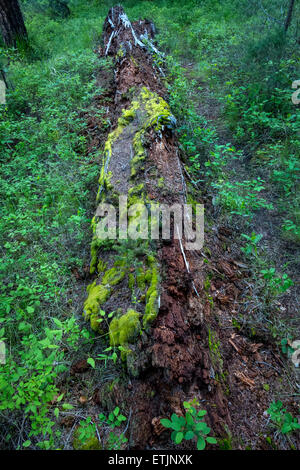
11 22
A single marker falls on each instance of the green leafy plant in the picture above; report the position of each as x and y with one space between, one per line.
283 420
110 357
251 247
285 346
189 426
276 284
114 420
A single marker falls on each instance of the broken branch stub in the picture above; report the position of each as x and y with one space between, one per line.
118 31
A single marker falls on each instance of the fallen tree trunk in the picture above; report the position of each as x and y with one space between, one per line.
155 289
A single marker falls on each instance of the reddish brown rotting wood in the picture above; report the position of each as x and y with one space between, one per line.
134 63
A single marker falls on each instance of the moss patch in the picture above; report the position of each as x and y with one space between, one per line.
97 295
152 276
113 276
124 330
147 110
91 443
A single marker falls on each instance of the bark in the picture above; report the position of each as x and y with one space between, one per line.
289 15
11 22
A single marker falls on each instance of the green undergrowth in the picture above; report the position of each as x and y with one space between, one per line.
47 192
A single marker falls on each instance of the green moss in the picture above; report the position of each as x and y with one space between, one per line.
158 110
136 195
150 310
152 111
93 224
91 443
124 330
113 276
134 61
207 284
150 259
128 115
225 444
101 266
140 278
215 352
151 296
121 53
97 295
95 323
131 281
139 153
191 200
94 254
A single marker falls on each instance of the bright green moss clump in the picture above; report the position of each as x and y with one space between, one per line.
125 329
91 443
151 296
158 110
97 295
139 152
113 276
95 322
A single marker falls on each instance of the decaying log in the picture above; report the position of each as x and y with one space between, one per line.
159 315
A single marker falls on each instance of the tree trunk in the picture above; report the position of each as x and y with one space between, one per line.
154 292
289 15
11 22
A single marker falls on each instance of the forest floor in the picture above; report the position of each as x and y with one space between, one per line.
234 337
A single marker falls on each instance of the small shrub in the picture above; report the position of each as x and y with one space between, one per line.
283 421
189 426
